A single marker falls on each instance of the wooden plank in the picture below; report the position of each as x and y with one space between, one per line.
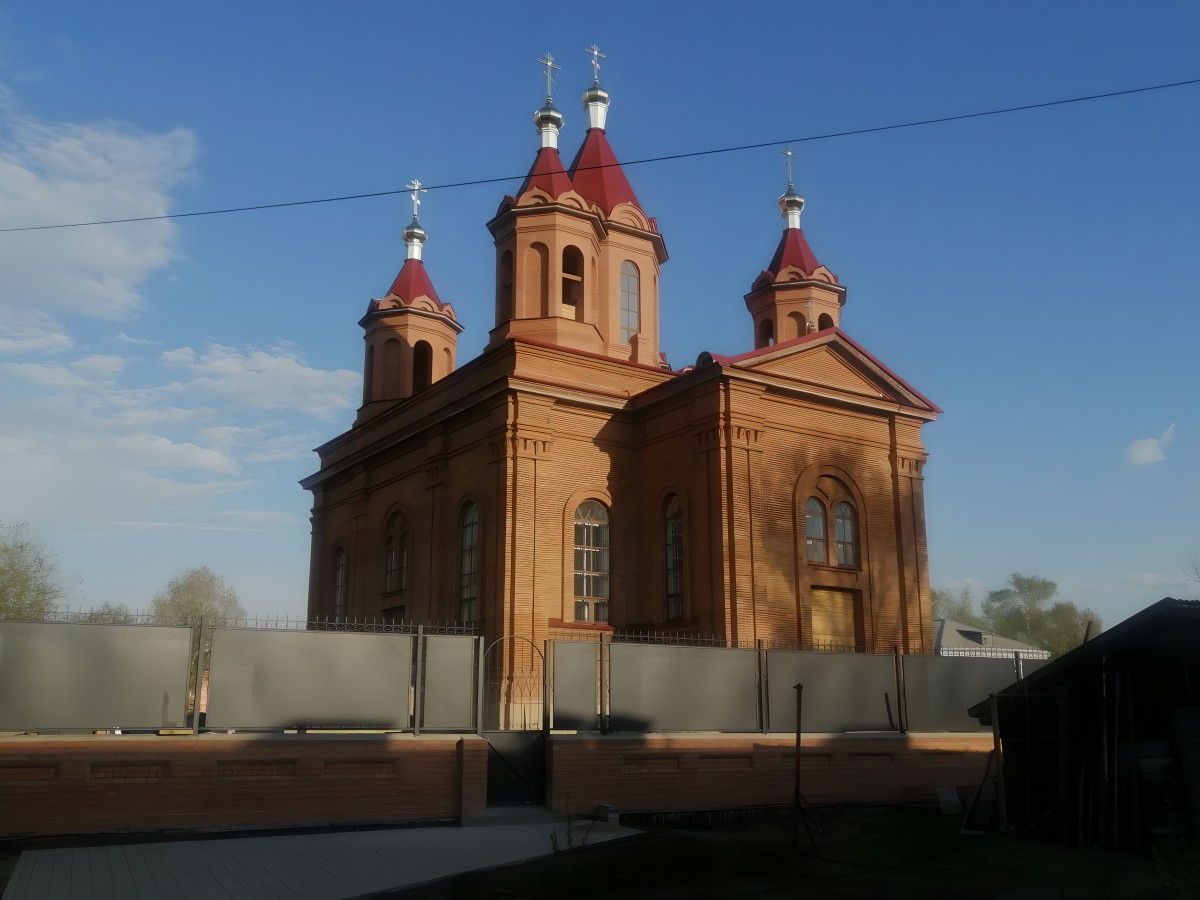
259 876
162 881
59 884
139 871
122 876
102 887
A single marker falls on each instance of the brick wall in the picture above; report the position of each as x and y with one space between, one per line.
94 783
719 771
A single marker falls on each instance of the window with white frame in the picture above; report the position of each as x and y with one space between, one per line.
674 554
814 531
845 534
630 301
591 562
339 584
469 566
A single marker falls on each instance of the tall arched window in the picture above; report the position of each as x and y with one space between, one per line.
468 590
766 334
674 548
630 301
800 322
369 375
339 584
591 562
814 531
825 320
845 535
422 366
572 283
395 556
504 288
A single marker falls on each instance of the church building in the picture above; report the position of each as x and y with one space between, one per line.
567 482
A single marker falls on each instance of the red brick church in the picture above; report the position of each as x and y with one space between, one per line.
568 480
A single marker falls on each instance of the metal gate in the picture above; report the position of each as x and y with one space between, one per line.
514 720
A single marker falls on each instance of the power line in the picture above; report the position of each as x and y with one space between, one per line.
918 123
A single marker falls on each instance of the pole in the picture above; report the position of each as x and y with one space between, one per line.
797 797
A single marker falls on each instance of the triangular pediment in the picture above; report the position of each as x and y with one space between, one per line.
831 360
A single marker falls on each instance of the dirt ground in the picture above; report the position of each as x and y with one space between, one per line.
906 852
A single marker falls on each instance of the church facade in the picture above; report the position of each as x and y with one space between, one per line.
568 481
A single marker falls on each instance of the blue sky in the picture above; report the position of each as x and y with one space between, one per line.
162 384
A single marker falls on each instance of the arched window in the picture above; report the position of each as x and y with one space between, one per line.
674 548
591 562
468 590
814 531
395 556
630 301
766 334
369 375
825 320
845 535
339 584
504 288
572 283
422 366
801 324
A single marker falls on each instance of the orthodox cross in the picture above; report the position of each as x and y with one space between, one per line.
596 55
787 151
415 187
551 68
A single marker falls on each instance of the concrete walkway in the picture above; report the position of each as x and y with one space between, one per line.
316 866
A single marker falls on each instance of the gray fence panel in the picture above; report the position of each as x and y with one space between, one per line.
57 676
450 683
574 684
940 689
842 691
663 688
289 679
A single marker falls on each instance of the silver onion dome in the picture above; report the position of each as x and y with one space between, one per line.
548 117
791 205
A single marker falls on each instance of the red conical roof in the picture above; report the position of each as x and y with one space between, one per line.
413 282
547 174
596 175
793 250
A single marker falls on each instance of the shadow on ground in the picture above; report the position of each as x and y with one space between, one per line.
907 852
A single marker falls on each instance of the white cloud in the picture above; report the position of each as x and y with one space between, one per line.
54 173
28 331
267 380
1147 451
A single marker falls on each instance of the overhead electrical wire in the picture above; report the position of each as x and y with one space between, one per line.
917 123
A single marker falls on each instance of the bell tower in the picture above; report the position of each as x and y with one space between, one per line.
577 261
795 295
411 335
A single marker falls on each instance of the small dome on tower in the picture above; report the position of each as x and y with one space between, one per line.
791 205
548 117
414 233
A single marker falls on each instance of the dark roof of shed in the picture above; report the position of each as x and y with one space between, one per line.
1168 615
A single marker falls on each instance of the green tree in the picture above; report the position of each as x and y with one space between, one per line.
30 586
1022 611
108 614
961 608
197 593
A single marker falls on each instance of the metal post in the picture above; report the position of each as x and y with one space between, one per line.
199 671
419 681
797 797
901 690
479 686
763 709
547 685
605 709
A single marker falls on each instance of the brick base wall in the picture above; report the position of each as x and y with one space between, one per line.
94 783
661 773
